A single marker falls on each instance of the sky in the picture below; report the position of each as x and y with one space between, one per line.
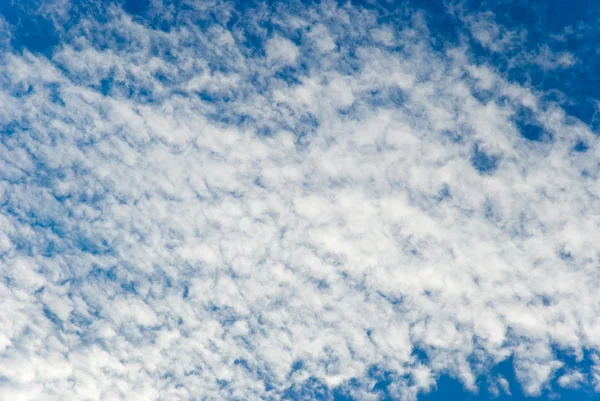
333 201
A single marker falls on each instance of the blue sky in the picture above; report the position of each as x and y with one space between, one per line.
375 200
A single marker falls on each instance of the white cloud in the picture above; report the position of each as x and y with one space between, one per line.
323 40
383 35
571 379
490 34
548 60
281 51
5 33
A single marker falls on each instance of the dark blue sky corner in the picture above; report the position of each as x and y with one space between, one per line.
29 30
448 386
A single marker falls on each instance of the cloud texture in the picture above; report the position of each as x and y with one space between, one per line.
218 203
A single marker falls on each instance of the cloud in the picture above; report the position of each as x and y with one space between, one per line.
571 379
383 36
323 40
184 215
281 50
491 35
551 61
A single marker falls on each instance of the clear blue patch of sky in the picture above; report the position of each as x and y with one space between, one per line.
548 23
449 388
